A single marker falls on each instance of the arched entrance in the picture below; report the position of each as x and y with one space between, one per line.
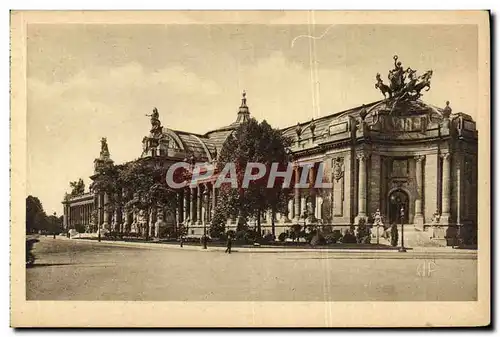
397 199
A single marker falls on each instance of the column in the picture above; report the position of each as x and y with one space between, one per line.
445 204
85 217
106 223
186 205
206 212
180 207
297 194
116 217
178 213
361 188
419 217
214 201
65 216
159 220
312 194
319 207
152 221
432 186
191 205
291 209
199 206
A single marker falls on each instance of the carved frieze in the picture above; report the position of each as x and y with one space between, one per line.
338 168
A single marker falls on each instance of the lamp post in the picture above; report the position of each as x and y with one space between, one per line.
402 249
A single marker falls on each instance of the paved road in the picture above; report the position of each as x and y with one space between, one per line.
74 270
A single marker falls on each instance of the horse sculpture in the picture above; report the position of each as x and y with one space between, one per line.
425 82
384 88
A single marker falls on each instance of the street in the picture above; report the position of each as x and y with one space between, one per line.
74 270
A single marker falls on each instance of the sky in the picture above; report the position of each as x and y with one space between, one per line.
87 81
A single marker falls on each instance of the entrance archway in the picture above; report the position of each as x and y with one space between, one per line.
397 199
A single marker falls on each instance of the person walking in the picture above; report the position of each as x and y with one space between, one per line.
182 240
229 243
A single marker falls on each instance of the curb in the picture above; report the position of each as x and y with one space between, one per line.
336 253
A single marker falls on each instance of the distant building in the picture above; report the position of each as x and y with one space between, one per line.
410 161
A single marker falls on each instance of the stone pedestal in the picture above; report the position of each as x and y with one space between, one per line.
437 232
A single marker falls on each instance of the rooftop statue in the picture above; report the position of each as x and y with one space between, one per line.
155 121
403 84
104 147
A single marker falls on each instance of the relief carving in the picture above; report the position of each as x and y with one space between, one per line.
338 168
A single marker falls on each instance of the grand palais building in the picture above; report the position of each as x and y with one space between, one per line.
396 153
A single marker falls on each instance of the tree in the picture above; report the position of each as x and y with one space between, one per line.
146 177
54 223
253 142
36 219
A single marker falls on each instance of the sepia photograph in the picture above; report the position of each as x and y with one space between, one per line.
250 163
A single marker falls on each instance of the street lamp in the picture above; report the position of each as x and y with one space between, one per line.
402 249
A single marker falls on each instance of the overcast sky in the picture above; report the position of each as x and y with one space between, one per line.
91 81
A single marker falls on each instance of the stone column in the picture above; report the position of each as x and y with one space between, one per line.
100 211
445 204
180 207
419 217
65 216
361 188
117 215
106 223
191 205
159 220
178 214
207 203
199 206
297 195
319 207
214 201
152 222
312 193
186 205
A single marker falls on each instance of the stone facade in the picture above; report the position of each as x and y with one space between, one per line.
384 156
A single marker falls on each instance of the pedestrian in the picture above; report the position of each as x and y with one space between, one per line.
54 234
181 240
229 242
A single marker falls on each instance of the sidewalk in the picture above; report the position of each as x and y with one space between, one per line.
340 253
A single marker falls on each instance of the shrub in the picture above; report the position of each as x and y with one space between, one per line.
268 238
217 225
349 236
317 239
363 233
310 236
246 236
282 237
240 236
333 237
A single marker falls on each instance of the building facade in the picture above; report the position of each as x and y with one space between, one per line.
406 160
